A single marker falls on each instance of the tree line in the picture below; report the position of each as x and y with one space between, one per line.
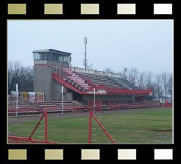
160 83
21 75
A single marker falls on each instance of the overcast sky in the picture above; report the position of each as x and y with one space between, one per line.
143 44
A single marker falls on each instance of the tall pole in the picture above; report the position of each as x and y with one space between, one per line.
85 60
17 94
90 127
62 99
43 96
46 126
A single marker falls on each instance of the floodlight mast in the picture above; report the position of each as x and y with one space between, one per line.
85 60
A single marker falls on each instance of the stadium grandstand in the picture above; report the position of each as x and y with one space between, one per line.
74 89
52 71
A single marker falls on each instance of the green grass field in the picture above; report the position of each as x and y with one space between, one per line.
145 126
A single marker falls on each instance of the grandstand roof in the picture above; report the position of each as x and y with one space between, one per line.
53 51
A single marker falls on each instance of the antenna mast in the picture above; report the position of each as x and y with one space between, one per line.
85 60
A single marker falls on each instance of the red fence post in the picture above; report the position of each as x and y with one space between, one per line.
105 131
36 126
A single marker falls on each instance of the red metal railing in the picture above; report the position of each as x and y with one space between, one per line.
15 139
91 114
29 139
65 83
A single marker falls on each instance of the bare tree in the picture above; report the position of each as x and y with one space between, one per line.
148 81
161 84
170 85
159 87
164 78
21 75
108 70
133 75
141 80
90 66
167 84
123 73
